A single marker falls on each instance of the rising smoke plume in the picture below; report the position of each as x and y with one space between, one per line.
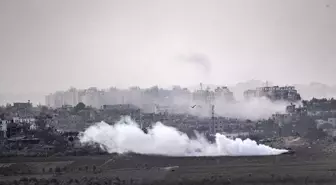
126 136
183 103
198 59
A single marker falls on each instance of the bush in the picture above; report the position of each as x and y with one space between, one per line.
33 180
54 181
57 170
24 179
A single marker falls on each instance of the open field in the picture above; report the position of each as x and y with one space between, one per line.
305 167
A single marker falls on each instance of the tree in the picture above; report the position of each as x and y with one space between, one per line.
333 104
41 121
304 103
80 106
2 116
57 169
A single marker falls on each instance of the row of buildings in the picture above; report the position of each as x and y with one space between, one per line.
297 120
136 96
157 96
274 93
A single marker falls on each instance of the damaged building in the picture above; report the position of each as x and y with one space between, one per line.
275 93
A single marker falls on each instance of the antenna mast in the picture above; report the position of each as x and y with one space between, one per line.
213 119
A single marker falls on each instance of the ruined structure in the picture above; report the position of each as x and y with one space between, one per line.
209 96
275 93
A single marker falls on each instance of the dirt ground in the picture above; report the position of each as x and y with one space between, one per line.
306 166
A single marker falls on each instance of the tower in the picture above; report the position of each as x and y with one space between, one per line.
212 127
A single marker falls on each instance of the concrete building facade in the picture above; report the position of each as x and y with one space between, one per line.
274 93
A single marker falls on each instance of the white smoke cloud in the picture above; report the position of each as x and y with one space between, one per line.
254 109
199 59
126 136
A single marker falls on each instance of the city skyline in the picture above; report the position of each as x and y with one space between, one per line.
307 91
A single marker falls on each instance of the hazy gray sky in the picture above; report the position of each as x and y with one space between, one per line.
47 45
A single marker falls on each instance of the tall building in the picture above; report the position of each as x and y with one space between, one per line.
71 97
209 96
248 94
49 100
55 99
203 96
58 99
286 93
92 97
224 93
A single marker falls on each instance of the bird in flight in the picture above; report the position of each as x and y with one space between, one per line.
199 106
